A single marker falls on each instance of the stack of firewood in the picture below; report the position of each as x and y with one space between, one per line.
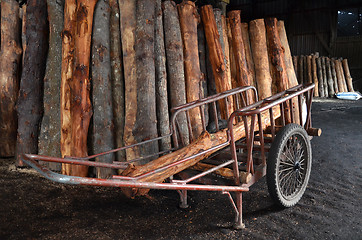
330 75
105 73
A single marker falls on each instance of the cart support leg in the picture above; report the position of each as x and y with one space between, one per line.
183 198
239 214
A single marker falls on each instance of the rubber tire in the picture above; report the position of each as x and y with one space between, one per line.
273 165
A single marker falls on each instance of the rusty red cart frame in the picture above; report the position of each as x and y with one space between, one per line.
282 152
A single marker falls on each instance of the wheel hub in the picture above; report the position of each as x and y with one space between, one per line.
297 166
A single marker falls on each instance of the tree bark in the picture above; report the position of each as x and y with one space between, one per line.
309 68
347 75
260 56
339 76
334 76
320 78
300 69
29 104
49 137
81 107
217 59
248 53
329 78
278 60
325 85
292 78
233 71
188 22
305 70
175 65
315 78
117 79
163 123
9 75
343 76
205 141
102 127
128 33
243 76
146 118
295 63
68 39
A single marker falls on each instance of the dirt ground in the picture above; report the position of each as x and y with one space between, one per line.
32 207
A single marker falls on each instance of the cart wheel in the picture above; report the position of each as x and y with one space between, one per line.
289 165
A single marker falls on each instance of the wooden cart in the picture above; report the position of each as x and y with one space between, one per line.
258 139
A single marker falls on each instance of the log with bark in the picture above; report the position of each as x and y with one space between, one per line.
292 78
117 79
295 63
315 77
242 75
29 104
300 69
217 58
260 57
309 68
205 141
320 78
276 52
102 124
175 66
324 72
68 39
10 56
188 22
81 107
339 76
233 71
128 33
347 75
49 137
329 78
163 123
343 75
334 76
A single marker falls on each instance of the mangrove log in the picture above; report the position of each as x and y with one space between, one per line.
334 76
347 75
315 77
329 78
320 78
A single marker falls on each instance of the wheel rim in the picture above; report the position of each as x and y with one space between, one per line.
293 166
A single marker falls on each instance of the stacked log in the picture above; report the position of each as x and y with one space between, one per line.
330 75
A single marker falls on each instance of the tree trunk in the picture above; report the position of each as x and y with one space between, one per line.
347 75
117 79
320 78
305 71
188 22
243 78
146 118
233 71
329 78
68 40
295 63
309 68
102 130
175 65
300 69
260 56
278 60
49 137
339 76
217 59
334 76
29 104
128 33
248 53
315 78
81 107
163 123
343 76
325 85
292 78
9 75
205 141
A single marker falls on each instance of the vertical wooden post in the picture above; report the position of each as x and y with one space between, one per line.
163 123
175 65
343 76
29 104
188 22
260 56
320 78
117 78
347 75
102 127
217 58
339 76
334 76
81 107
324 71
309 68
9 75
315 77
329 78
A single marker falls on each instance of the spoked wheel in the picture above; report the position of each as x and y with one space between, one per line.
289 165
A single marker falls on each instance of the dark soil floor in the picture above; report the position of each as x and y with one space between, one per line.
32 207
